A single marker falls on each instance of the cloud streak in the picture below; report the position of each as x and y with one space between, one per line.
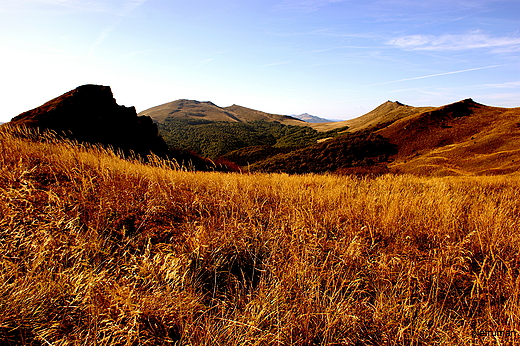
456 42
436 75
127 8
130 6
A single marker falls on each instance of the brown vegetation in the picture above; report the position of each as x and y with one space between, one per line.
96 250
191 109
463 138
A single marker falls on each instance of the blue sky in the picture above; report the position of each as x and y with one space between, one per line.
336 59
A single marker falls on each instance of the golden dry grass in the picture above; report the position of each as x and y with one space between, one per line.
96 250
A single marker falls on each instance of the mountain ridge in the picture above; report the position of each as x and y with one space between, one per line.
462 138
388 111
207 110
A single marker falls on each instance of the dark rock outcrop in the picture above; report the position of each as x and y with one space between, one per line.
90 114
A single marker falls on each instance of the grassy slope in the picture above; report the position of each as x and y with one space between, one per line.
97 250
345 151
191 109
385 113
463 138
248 114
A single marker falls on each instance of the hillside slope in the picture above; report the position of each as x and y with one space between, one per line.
363 148
461 138
385 113
247 114
191 109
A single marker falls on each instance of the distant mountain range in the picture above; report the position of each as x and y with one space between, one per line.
462 138
310 118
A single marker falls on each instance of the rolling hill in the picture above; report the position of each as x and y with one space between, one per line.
463 138
388 112
217 138
214 131
191 109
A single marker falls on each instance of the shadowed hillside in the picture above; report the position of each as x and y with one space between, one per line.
362 148
218 138
461 138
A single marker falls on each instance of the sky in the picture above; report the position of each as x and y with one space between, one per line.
336 59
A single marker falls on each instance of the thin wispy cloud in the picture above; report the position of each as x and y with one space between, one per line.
456 42
131 5
128 7
203 62
101 38
504 85
436 75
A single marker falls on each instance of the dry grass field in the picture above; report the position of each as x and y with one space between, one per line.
96 250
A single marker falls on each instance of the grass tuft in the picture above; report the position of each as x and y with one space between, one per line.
98 250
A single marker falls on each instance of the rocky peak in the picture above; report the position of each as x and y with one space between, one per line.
90 114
